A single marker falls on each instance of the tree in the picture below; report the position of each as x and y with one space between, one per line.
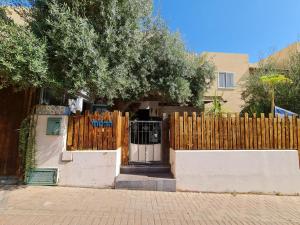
269 80
116 50
23 57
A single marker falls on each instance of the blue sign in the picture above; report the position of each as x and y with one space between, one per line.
101 123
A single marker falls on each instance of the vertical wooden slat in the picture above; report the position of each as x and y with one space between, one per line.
259 144
267 133
234 133
194 144
287 133
225 132
125 145
271 131
86 130
295 132
186 130
177 130
76 132
99 132
212 133
291 133
181 144
242 125
279 132
275 132
254 128
217 134
229 131
70 133
263 130
199 133
190 134
203 131
283 127
250 133
109 133
238 131
115 129
246 131
81 132
208 132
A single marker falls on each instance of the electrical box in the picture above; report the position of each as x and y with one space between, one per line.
53 126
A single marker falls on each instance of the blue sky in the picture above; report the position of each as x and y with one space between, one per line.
255 27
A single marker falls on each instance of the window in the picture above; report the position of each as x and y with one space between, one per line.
226 80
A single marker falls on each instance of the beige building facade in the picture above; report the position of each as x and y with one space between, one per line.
232 71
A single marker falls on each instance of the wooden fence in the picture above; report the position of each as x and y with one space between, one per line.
105 131
233 132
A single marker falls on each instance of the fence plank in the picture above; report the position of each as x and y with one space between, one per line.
217 136
199 144
181 144
238 132
177 130
229 131
70 133
267 133
190 133
186 130
259 145
246 131
194 121
291 135
250 133
271 130
279 132
254 128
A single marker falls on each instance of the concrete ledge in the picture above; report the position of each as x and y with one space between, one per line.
263 171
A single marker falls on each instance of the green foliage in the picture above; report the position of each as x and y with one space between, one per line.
113 49
272 80
22 57
27 143
267 81
216 108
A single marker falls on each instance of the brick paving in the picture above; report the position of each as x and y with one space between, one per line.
79 206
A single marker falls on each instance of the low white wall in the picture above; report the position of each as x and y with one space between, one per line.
75 168
269 171
90 168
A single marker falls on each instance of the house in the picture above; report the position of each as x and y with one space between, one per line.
232 71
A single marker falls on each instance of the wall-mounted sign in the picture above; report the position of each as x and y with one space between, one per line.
101 123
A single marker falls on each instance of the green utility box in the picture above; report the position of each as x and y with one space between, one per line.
53 126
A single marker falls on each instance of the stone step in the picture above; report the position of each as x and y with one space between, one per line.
150 169
9 180
146 182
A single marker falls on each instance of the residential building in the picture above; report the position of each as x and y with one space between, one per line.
232 71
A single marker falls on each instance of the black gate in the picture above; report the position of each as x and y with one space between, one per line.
145 141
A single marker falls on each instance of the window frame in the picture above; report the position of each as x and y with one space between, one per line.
226 72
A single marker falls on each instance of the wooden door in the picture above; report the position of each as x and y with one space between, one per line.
12 111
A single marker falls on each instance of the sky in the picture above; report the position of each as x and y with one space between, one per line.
254 27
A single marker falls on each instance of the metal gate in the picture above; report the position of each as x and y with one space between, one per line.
145 141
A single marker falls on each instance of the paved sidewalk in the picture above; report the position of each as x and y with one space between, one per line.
78 206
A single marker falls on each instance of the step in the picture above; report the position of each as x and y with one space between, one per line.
146 182
150 169
9 180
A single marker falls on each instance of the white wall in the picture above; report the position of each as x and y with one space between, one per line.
90 169
75 168
273 171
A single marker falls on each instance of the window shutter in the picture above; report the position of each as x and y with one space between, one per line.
222 80
229 80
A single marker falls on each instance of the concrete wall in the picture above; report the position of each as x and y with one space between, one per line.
76 168
236 171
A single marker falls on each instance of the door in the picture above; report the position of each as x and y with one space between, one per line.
12 112
145 142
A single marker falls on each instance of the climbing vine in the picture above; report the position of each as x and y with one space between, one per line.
27 143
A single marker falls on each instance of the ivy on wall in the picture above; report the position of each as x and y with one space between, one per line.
27 143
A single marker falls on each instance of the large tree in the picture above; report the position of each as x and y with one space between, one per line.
114 49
